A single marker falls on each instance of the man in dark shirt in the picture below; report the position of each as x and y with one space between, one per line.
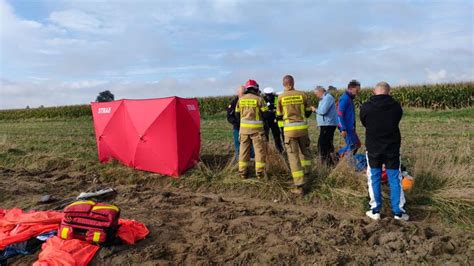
270 123
381 116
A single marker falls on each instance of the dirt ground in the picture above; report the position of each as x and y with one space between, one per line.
204 228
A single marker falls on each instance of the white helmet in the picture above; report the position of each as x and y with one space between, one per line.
268 90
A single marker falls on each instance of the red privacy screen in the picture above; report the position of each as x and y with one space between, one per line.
157 135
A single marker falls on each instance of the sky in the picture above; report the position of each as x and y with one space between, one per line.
55 52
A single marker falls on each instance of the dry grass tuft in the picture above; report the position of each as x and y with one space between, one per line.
446 182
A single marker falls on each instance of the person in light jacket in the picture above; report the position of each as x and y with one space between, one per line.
326 117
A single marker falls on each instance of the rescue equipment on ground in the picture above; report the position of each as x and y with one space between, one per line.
407 181
90 221
17 226
106 192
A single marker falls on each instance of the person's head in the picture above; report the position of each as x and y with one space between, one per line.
252 87
319 91
382 88
288 82
353 87
240 91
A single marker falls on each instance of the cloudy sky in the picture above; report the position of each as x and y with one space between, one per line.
65 52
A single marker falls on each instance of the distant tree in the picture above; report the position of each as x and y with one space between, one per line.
27 107
105 96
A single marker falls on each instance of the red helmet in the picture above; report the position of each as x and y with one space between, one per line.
251 84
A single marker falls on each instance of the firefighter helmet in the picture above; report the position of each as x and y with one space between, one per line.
251 84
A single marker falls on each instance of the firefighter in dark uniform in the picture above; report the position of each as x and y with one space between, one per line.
270 123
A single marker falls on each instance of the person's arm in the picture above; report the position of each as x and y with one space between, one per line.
237 111
363 114
279 110
307 107
264 108
231 112
324 105
341 110
400 113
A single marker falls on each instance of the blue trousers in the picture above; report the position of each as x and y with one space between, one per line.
374 177
352 144
237 145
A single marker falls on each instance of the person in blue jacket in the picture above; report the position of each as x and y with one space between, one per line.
326 117
346 119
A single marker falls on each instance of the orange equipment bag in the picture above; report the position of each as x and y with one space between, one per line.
90 221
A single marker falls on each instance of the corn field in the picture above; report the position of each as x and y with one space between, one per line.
436 96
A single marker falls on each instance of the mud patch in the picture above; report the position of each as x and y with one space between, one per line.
198 228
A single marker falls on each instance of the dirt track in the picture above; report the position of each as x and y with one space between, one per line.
193 228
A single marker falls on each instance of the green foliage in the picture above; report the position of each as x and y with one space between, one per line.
70 111
436 96
105 96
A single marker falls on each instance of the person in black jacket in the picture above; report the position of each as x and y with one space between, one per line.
232 119
380 116
270 123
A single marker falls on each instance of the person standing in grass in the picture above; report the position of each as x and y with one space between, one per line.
270 123
381 116
293 109
346 119
250 112
326 116
235 122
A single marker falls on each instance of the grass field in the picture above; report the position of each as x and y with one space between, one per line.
437 149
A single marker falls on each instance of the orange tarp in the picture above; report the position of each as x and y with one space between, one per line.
17 226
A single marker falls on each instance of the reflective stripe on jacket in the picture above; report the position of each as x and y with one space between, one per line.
292 105
251 107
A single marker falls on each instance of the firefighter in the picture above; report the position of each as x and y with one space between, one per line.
270 123
250 111
235 122
293 109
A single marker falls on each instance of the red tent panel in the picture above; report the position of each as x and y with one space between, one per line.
156 135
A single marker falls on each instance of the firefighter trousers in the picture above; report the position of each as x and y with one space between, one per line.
259 143
299 156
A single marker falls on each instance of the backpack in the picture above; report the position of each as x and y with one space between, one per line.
90 221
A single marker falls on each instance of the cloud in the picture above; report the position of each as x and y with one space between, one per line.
75 20
67 51
436 76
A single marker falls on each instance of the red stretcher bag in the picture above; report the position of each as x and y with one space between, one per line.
90 221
